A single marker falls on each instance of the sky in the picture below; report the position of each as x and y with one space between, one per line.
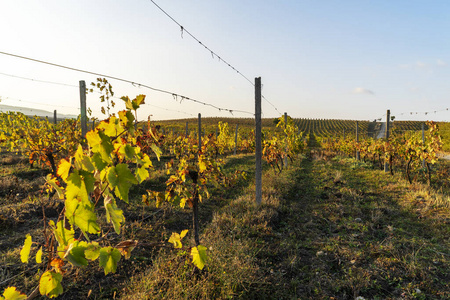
316 59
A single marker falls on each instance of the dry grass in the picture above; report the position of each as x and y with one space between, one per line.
327 229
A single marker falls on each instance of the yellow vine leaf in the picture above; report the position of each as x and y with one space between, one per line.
50 284
63 169
176 238
199 256
25 252
12 294
39 256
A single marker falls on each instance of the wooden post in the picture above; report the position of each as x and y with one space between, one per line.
199 132
258 147
423 143
285 138
187 130
83 108
54 117
388 117
344 132
358 157
236 139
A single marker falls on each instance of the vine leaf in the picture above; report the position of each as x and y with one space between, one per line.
126 247
121 179
75 254
176 238
92 251
63 169
199 256
79 184
12 294
58 264
114 214
142 174
82 215
50 284
109 257
25 252
39 256
52 181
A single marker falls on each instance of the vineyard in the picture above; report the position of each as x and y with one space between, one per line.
166 209
318 127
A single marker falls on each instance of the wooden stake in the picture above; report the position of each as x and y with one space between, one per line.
83 108
258 147
388 117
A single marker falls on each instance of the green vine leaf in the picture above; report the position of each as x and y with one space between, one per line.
92 251
79 184
109 257
114 214
82 216
121 179
75 254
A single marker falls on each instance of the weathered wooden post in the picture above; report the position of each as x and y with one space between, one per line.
83 108
236 139
357 141
388 117
258 147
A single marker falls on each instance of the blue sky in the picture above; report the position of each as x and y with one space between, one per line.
317 59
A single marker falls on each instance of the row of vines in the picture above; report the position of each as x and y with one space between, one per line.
407 151
90 175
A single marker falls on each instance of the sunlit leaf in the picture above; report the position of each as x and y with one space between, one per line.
39 256
176 238
11 293
82 216
63 169
199 256
92 251
121 179
50 284
25 252
113 213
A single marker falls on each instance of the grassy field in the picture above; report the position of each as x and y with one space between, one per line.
328 228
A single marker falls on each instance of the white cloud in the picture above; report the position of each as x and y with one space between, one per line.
404 66
360 90
421 64
441 63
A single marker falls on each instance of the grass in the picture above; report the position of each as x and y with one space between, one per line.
326 229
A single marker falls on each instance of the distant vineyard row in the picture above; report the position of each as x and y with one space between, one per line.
319 127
